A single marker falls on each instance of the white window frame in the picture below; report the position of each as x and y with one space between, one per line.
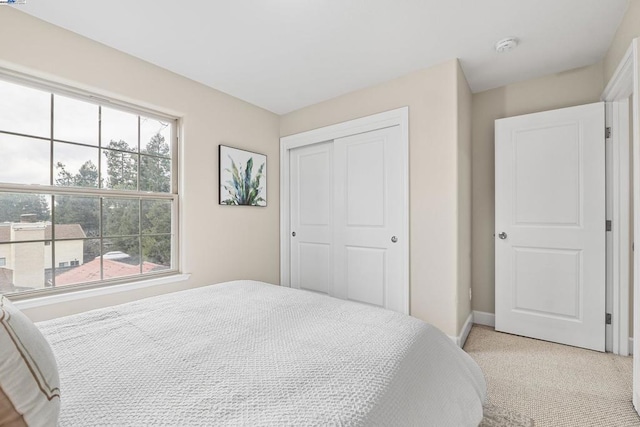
47 296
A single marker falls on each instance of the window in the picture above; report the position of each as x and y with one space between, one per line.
88 191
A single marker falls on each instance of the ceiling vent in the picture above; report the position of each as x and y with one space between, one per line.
506 45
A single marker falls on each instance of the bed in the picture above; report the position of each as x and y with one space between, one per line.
250 353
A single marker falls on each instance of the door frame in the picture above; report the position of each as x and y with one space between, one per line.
623 84
397 117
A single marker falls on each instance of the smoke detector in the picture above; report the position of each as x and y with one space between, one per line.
506 45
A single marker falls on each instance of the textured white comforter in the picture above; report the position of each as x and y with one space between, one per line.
249 353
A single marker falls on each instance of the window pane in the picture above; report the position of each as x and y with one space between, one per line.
75 120
24 110
60 141
120 217
24 217
119 170
155 137
29 160
69 254
75 214
156 216
75 165
77 261
119 130
121 257
24 268
155 174
156 252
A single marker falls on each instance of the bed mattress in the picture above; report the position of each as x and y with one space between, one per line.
250 353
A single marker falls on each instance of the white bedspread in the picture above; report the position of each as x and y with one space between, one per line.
249 353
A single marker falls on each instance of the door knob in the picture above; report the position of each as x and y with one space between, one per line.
502 235
394 239
293 234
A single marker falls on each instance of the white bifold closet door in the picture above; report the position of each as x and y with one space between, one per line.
346 218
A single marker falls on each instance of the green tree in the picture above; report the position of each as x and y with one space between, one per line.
87 175
83 210
155 172
121 215
156 229
12 205
121 166
155 175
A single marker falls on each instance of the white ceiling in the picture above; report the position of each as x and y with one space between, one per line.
285 54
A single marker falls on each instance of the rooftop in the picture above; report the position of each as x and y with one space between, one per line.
90 271
63 231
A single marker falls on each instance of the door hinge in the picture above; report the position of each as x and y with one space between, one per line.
607 132
608 318
608 225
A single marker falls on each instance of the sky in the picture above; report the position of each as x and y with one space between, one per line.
27 111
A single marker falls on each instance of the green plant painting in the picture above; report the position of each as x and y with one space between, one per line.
242 177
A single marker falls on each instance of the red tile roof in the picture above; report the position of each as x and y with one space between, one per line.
90 271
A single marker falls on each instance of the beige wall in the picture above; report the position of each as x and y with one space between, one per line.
628 30
569 88
440 109
432 97
464 198
66 251
574 87
214 238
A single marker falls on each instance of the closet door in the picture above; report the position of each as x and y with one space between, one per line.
367 212
312 217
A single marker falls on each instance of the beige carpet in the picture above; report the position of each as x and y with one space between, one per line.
552 384
495 416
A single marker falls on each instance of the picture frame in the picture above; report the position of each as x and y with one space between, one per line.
242 177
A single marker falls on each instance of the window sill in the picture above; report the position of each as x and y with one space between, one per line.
43 301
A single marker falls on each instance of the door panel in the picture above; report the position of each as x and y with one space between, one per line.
314 266
547 175
311 217
368 188
547 282
550 203
365 180
346 205
366 278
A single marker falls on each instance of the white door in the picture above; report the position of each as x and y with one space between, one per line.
368 209
550 226
346 204
312 217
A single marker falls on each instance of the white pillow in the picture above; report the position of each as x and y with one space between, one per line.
29 382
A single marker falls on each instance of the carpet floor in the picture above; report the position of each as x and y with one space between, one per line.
553 384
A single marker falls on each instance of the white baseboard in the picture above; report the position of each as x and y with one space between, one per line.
464 333
483 318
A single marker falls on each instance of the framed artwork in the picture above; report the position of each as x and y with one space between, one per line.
243 177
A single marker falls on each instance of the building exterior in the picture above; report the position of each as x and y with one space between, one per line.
26 252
